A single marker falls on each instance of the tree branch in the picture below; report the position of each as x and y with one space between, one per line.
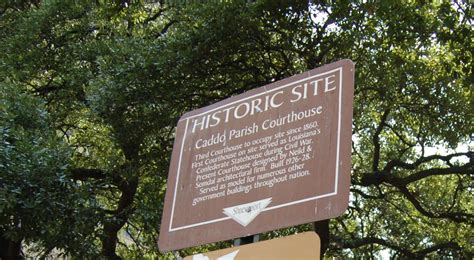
466 169
153 17
368 196
421 254
166 28
447 245
411 166
356 243
401 184
376 141
82 174
454 216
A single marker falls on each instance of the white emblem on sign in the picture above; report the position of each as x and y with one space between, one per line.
229 256
245 213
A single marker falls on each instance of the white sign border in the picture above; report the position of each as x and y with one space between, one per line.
171 229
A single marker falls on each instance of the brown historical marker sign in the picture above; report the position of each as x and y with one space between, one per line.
273 157
301 246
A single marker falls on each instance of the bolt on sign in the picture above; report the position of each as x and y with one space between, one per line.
306 245
273 157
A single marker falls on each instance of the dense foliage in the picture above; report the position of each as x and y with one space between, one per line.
91 93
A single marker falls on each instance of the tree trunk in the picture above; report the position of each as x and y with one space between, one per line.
9 249
124 209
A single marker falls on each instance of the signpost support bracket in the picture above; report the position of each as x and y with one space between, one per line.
322 229
246 240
